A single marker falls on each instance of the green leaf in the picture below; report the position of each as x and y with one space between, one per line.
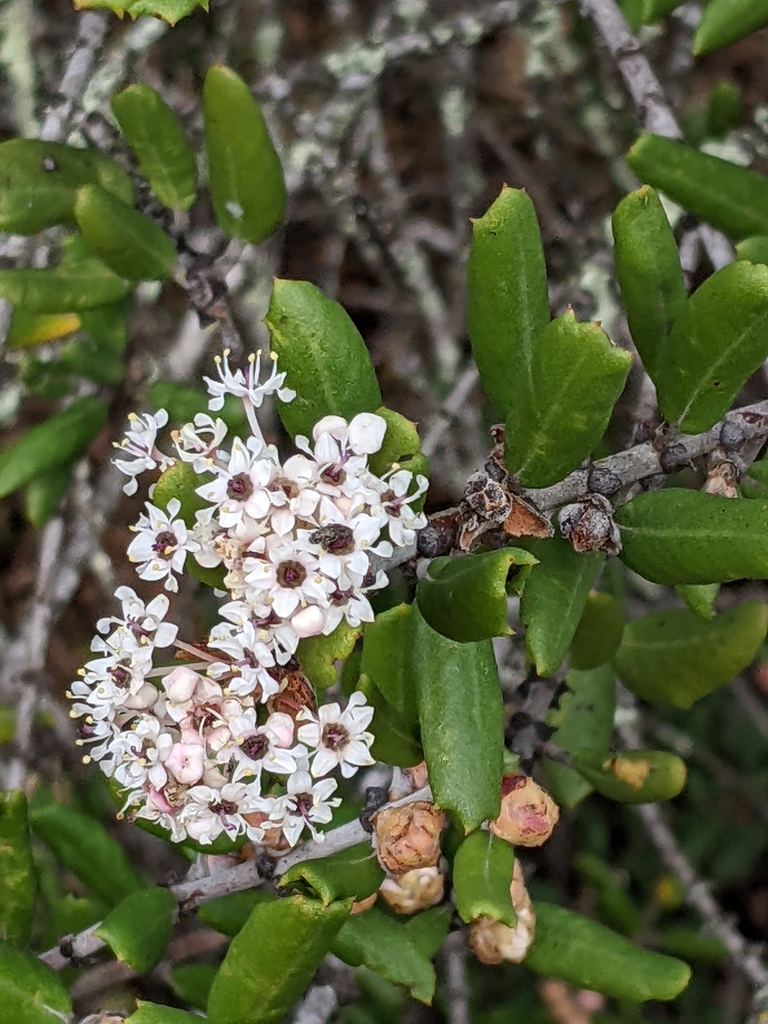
725 21
611 884
155 1013
228 914
191 983
318 654
40 180
634 776
353 872
379 942
126 241
465 599
730 198
583 723
588 955
507 304
168 10
459 702
17 870
599 632
154 133
401 448
59 440
183 403
79 282
139 928
386 658
324 358
553 599
717 342
245 178
85 848
648 272
655 10
428 929
261 978
674 656
576 376
395 733
754 249
700 599
690 943
482 874
29 329
678 536
30 992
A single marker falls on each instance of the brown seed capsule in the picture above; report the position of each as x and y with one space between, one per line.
528 813
413 891
588 525
408 837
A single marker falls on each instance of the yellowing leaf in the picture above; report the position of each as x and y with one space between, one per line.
168 10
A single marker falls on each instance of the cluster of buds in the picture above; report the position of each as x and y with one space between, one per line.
231 743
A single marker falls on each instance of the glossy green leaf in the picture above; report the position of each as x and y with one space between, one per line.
588 955
459 703
576 376
717 342
655 10
725 21
582 722
634 776
614 902
754 249
401 448
168 10
77 283
155 1013
507 304
386 657
377 941
733 199
154 133
244 173
691 944
139 928
228 914
126 241
700 599
678 536
465 599
323 355
353 872
482 874
40 180
261 978
18 884
553 599
59 440
30 992
395 733
674 656
191 983
598 634
429 928
318 655
648 272
85 848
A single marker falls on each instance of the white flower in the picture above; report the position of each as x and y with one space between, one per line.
142 625
239 488
306 804
338 737
394 507
139 444
293 494
209 812
262 748
363 435
246 385
197 442
161 544
288 578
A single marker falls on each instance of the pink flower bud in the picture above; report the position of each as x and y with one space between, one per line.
281 728
528 813
408 837
156 797
310 621
218 738
413 891
186 762
327 425
180 684
145 698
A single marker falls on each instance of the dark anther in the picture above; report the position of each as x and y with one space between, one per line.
375 797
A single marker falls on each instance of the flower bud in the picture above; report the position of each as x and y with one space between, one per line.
142 700
310 621
414 890
180 684
327 425
408 837
281 727
186 762
528 813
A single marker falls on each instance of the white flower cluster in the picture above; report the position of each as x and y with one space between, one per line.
231 742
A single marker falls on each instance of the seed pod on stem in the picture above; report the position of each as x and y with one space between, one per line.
408 837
